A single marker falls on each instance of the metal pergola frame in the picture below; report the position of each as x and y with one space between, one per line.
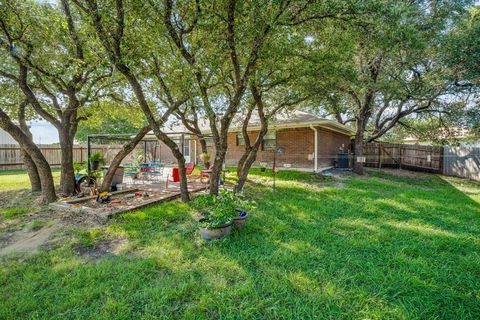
128 137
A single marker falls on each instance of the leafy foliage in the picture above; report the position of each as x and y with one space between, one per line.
220 209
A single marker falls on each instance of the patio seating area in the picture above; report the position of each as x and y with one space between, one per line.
157 176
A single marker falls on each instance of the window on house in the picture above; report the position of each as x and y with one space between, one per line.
240 139
269 141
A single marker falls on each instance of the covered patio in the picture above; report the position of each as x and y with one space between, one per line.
151 166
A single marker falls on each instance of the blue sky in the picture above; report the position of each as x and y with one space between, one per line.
43 132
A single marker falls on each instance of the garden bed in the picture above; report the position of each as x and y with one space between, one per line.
120 201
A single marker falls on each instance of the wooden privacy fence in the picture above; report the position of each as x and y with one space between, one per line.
11 156
462 162
404 156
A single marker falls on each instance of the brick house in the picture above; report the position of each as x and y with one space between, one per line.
297 140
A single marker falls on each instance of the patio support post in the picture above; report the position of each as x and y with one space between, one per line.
88 154
145 151
182 143
315 147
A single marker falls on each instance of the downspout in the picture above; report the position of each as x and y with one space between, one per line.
315 148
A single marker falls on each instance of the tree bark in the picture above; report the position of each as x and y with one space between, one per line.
358 144
117 160
67 173
250 154
217 170
30 166
32 172
46 179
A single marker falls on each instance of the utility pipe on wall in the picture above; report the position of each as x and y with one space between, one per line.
315 148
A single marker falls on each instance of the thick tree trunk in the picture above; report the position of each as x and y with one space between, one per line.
241 162
32 171
217 170
250 159
183 180
67 173
358 167
117 160
46 179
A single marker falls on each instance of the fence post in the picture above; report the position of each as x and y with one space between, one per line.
440 160
401 157
379 155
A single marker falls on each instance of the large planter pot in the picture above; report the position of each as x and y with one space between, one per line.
216 233
240 221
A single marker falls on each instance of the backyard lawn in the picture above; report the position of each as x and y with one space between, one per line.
388 246
17 179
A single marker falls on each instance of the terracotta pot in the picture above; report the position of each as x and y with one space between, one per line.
240 221
216 233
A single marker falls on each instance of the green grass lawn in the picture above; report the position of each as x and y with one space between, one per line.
382 247
18 179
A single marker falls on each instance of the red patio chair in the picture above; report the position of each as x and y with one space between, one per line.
189 168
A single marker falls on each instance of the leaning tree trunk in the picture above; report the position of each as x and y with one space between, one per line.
46 179
217 170
67 173
117 160
241 162
250 159
32 171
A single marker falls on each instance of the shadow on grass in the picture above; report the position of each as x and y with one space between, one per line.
381 247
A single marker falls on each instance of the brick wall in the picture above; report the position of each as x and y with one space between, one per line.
296 145
329 144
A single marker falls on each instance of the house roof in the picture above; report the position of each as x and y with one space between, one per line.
282 120
293 119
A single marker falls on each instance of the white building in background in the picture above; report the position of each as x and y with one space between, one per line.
5 138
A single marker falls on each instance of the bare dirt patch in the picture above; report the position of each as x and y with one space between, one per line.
102 248
30 242
406 173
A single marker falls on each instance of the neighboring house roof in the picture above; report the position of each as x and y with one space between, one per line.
459 135
283 120
6 138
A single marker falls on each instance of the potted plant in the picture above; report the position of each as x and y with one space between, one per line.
242 207
218 219
97 159
222 212
240 220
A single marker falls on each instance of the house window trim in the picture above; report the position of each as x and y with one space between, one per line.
239 137
270 132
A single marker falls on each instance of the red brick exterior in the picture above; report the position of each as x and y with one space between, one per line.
297 148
